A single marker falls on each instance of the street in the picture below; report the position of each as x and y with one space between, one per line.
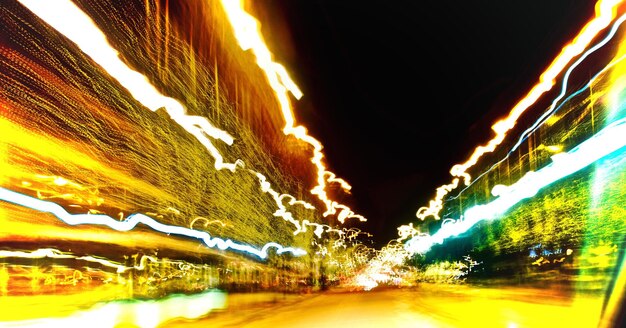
162 165
424 306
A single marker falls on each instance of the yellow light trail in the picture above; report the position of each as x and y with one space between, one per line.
50 150
549 115
72 22
132 221
278 198
408 231
605 13
301 226
16 224
524 188
57 254
380 269
247 33
77 26
610 140
136 313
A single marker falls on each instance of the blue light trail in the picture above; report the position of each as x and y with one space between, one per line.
133 220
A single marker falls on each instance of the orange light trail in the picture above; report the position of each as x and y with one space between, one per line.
82 31
57 254
301 226
608 141
133 220
605 13
77 26
247 33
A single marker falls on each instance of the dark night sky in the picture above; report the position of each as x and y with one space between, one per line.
399 91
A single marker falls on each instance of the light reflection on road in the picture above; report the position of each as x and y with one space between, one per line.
424 306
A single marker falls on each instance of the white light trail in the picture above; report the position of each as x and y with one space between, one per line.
605 13
73 23
133 220
246 31
555 106
57 254
608 141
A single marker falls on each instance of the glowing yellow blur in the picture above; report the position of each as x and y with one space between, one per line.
383 268
144 314
27 145
72 22
247 33
78 27
617 80
605 13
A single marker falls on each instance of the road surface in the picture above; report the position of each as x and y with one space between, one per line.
424 306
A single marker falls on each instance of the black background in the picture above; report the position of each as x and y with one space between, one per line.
399 91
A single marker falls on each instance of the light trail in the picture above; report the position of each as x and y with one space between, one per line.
301 226
555 106
407 231
77 26
135 313
605 13
278 198
53 150
57 254
74 24
380 269
133 220
37 254
247 33
608 141
207 222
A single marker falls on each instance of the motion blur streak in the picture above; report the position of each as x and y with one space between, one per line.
602 177
68 19
609 140
605 13
144 314
379 269
57 254
566 76
282 210
288 216
555 106
616 297
131 222
247 33
49 150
